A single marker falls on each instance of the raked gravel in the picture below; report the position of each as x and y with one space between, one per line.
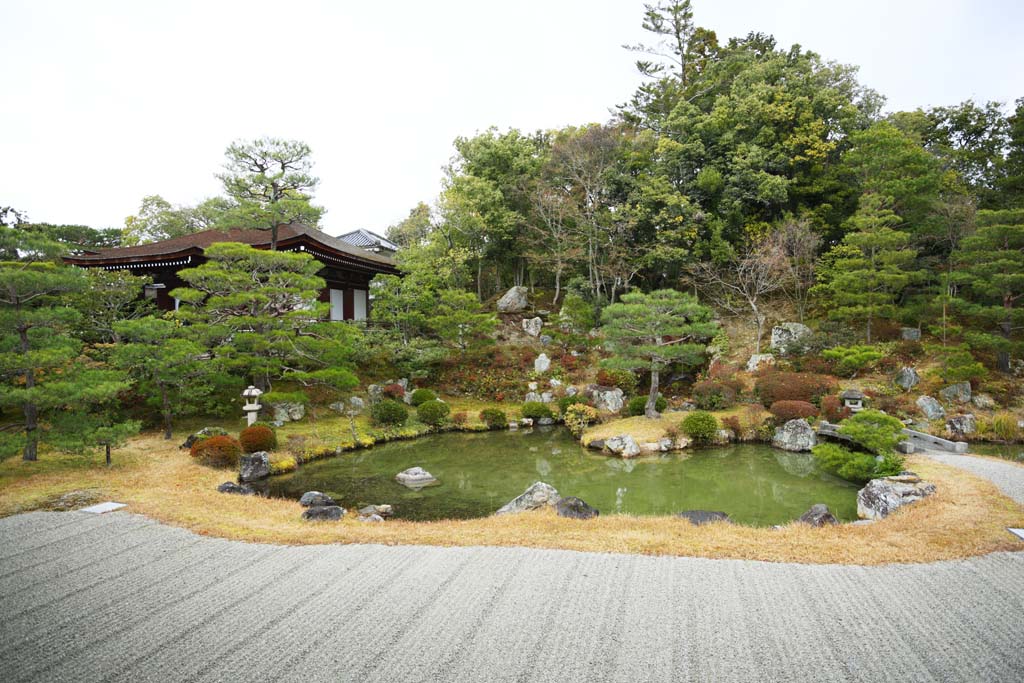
119 597
1008 476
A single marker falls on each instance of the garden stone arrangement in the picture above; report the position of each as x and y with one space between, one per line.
881 497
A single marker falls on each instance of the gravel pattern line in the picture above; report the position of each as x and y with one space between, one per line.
1008 476
120 598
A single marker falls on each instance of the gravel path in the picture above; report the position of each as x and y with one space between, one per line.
119 597
1008 476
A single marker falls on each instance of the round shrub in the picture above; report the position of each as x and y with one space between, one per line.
460 418
638 404
421 396
535 410
393 391
785 411
700 426
833 409
433 412
494 418
566 401
218 451
257 438
709 395
793 386
389 413
578 416
623 379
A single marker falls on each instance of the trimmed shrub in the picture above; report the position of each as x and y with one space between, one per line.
874 431
566 401
850 360
700 426
433 413
708 395
535 410
272 397
833 409
578 416
395 391
258 438
494 418
217 451
733 422
855 466
793 386
421 396
623 379
785 411
460 418
389 413
637 404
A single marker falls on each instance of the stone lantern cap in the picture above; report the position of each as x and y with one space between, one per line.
852 395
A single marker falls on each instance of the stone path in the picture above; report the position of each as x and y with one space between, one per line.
119 597
1008 476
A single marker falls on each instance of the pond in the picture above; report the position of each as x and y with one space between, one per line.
1009 451
478 473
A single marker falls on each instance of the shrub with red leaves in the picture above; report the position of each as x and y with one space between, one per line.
785 411
793 386
217 451
257 438
833 409
394 391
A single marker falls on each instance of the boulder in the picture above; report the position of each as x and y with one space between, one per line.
370 518
537 495
786 335
571 390
575 508
545 421
204 433
983 401
608 399
596 444
882 496
240 489
287 411
700 517
724 437
375 392
795 435
381 510
532 326
818 515
906 447
930 408
532 386
546 397
324 513
314 498
546 339
759 359
624 446
961 425
254 466
959 392
906 379
910 334
415 478
532 397
514 300
542 363
554 383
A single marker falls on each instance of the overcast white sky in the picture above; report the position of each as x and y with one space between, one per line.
105 102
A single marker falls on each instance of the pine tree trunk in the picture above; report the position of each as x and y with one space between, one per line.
31 450
108 454
167 412
651 409
273 237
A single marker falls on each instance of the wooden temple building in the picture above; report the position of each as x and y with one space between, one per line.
347 269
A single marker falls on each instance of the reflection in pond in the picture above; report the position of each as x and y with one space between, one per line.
478 473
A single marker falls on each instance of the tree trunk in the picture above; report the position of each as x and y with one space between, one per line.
869 329
1003 357
31 451
651 409
273 237
167 412
108 454
759 321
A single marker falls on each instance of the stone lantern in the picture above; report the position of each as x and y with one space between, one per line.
853 399
252 403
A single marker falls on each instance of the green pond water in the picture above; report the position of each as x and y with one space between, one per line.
478 473
1010 451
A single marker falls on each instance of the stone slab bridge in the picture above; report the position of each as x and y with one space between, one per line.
917 442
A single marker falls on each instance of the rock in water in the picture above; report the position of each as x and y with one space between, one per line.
959 392
514 300
575 508
240 489
324 513
314 498
881 497
786 335
961 425
624 446
415 478
699 517
759 359
906 379
818 515
930 408
254 466
537 495
532 326
795 435
542 363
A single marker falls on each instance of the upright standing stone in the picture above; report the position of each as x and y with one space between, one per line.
542 363
532 326
514 300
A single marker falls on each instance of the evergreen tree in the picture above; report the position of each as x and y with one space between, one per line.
653 331
108 297
992 271
874 269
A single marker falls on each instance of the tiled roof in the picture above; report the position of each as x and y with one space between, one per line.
366 238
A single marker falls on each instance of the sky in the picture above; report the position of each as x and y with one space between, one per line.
106 102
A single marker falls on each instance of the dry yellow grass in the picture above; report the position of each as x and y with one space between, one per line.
644 429
968 516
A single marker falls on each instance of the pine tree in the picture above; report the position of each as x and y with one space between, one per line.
653 331
875 265
991 269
